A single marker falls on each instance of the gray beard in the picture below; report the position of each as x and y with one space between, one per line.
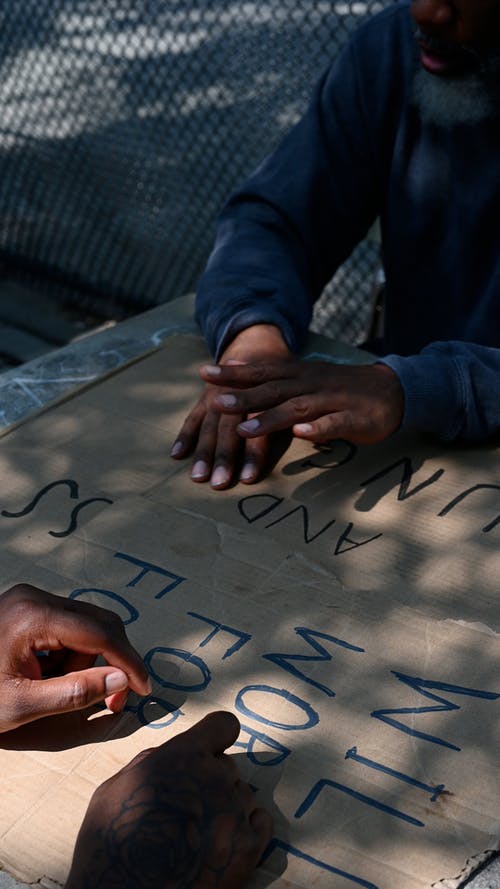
470 98
452 101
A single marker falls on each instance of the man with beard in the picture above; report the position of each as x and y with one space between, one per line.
405 127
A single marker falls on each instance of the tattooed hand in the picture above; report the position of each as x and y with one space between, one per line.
177 817
49 646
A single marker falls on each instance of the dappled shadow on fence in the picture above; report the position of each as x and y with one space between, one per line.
125 126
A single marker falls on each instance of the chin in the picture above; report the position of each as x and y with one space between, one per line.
453 100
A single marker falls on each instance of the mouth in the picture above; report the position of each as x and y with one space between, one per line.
436 62
443 58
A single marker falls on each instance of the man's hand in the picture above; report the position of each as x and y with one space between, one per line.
177 816
49 646
319 401
219 453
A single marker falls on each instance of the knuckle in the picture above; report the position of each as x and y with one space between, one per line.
300 406
328 428
206 406
210 423
15 709
249 845
145 754
140 757
324 436
16 591
200 407
258 373
350 421
102 795
108 623
228 424
196 416
79 694
23 612
273 390
113 623
189 427
223 459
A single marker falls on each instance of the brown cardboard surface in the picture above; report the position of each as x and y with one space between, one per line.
345 609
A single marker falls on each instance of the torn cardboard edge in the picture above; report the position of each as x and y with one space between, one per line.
76 390
472 867
135 336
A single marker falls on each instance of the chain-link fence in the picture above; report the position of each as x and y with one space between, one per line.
124 125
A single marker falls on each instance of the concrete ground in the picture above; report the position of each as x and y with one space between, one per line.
489 878
32 325
7 882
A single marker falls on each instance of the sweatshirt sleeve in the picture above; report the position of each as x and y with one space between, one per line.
284 233
451 389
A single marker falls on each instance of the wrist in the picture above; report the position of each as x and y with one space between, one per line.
260 341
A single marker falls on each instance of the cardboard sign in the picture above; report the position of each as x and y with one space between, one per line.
346 609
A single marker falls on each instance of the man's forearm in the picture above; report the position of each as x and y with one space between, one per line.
451 389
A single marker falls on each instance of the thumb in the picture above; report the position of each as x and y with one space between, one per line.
75 691
214 733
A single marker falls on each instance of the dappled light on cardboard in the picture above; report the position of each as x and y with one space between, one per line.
345 609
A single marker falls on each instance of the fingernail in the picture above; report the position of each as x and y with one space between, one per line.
149 687
248 472
302 428
212 370
250 425
200 469
227 400
220 476
115 682
176 449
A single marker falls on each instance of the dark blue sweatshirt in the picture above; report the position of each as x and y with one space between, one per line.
362 151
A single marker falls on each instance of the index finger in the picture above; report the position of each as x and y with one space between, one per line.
213 734
242 376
